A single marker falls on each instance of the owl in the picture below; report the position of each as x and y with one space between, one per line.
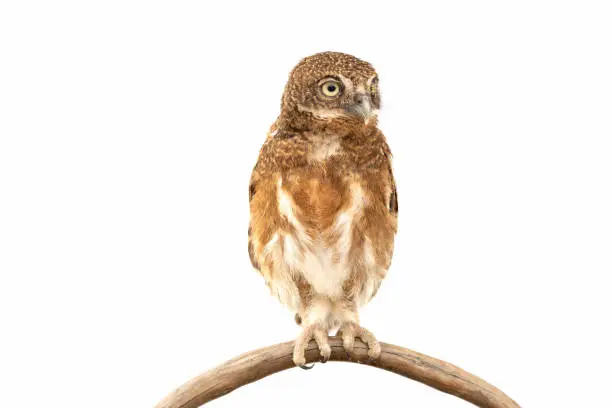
323 202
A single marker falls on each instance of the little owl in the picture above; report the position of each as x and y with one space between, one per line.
323 201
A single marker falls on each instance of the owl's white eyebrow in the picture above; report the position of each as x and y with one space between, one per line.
348 84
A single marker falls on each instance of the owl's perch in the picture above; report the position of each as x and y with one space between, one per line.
261 363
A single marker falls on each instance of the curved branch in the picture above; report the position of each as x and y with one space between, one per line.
261 363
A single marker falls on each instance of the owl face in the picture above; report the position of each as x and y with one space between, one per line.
331 85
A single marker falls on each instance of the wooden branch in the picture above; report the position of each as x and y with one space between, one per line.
261 363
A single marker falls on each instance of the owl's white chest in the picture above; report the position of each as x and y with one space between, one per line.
325 267
322 257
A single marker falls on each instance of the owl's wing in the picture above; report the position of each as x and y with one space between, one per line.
393 201
262 205
252 190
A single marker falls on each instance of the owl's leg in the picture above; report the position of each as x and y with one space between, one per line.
315 327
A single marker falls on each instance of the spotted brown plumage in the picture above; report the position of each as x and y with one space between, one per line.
323 200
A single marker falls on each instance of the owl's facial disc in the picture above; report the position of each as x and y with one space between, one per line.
338 96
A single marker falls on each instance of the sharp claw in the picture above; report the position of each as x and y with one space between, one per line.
325 353
306 367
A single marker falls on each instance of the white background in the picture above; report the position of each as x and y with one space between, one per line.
128 131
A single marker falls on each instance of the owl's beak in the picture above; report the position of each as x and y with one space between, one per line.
362 106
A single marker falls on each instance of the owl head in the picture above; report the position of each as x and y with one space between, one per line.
331 86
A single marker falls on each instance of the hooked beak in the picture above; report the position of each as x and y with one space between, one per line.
362 106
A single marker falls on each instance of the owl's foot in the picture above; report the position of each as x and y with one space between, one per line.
319 335
349 331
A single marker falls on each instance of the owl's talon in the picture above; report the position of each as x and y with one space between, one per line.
350 331
348 341
374 353
301 343
307 367
325 353
375 350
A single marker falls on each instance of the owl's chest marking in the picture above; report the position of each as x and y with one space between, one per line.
320 256
323 148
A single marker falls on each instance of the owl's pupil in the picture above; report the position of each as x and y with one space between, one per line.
331 88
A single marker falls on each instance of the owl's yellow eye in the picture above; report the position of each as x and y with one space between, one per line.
330 88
